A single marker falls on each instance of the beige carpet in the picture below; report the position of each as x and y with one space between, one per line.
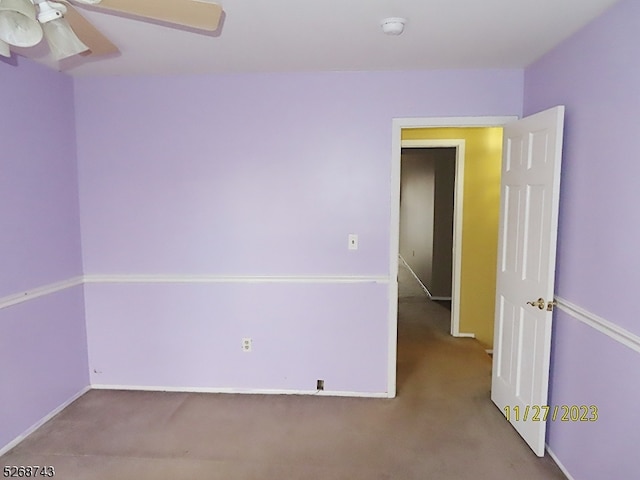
442 425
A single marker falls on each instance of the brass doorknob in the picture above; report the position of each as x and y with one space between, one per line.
540 303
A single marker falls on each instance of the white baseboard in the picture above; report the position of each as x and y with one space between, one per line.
558 462
424 287
321 393
465 335
247 391
42 421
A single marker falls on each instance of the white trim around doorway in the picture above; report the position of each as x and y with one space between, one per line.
398 124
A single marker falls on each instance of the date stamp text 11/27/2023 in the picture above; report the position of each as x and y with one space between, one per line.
542 413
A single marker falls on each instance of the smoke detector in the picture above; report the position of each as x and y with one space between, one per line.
393 25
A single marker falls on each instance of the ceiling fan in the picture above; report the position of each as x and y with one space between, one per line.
24 23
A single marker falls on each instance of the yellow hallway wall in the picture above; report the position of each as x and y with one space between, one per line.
480 217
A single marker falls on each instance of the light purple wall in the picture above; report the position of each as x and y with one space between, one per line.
185 335
39 229
42 342
248 174
43 353
262 174
590 368
596 74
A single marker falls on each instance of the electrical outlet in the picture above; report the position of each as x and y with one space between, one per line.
320 385
353 241
247 343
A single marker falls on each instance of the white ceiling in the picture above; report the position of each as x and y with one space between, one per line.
303 35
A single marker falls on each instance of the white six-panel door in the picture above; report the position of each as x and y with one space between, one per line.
526 268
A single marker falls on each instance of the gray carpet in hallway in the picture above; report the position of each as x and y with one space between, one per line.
442 425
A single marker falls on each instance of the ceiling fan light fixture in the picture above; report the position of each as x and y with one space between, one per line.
18 23
62 40
4 49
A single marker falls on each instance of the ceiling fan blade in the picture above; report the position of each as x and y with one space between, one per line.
189 13
98 44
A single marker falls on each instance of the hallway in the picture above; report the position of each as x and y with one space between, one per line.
442 425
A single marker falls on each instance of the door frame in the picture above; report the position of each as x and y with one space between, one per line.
399 124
